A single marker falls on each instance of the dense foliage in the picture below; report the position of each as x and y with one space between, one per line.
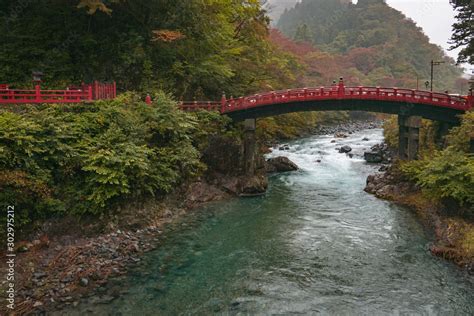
448 173
193 48
87 159
368 43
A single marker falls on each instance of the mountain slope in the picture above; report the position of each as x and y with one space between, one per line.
380 41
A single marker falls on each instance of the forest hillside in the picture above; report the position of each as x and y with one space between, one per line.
371 43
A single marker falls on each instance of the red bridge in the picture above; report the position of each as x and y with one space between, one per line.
409 105
431 105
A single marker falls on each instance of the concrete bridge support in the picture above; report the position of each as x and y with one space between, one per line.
250 143
409 136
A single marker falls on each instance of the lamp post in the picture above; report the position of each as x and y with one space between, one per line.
37 75
37 80
434 63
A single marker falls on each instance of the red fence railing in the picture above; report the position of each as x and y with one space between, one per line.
86 92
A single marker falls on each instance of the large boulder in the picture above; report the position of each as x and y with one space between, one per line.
378 153
254 185
280 164
374 156
345 149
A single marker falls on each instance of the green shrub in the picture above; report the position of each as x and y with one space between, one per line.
390 131
80 159
449 174
459 137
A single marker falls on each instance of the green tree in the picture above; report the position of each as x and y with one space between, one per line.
194 48
372 35
302 34
463 30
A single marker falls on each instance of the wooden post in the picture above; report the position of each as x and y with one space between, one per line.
89 93
96 90
38 93
341 87
148 99
223 102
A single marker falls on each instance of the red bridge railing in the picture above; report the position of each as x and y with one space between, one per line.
200 105
98 91
86 92
349 93
336 92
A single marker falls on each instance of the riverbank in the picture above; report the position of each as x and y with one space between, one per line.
65 259
63 265
324 211
68 258
71 258
453 234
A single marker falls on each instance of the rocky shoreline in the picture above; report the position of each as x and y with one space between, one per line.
349 127
452 240
61 266
57 270
451 233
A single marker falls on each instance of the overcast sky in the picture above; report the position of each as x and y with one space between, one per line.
435 17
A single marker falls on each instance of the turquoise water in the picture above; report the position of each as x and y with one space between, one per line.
315 244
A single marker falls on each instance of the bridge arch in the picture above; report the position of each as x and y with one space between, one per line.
409 105
435 106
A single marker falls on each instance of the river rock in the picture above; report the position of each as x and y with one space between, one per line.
200 192
345 149
383 168
280 164
39 275
231 185
340 135
254 185
84 282
378 153
373 156
37 304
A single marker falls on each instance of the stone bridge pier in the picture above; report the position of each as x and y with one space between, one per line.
409 136
250 143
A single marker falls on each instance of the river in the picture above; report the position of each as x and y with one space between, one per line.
315 244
